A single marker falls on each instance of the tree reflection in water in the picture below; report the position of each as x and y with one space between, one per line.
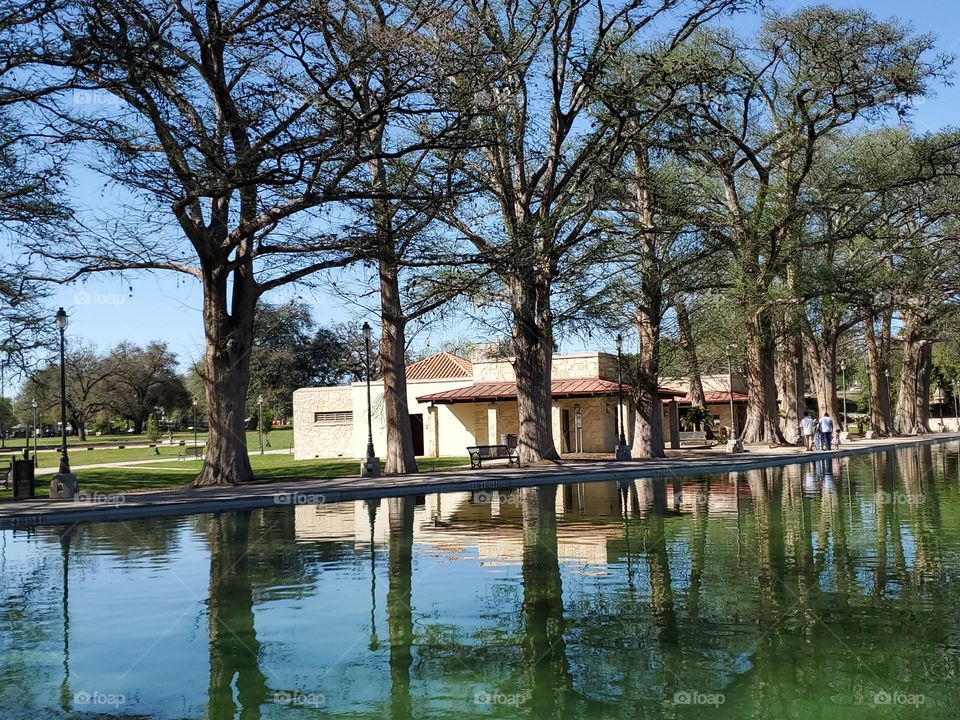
234 649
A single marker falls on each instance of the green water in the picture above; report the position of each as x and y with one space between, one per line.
829 591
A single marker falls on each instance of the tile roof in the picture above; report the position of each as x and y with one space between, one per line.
442 366
490 391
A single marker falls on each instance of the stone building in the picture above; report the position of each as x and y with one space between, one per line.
455 403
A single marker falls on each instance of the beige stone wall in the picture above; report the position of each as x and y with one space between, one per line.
324 440
711 383
575 365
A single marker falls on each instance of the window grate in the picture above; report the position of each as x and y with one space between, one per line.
341 417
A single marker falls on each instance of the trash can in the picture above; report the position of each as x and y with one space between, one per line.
22 472
510 440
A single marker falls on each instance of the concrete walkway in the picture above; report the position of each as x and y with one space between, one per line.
187 501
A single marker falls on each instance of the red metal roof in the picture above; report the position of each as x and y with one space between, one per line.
716 397
442 366
492 391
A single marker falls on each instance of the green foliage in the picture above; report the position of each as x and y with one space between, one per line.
153 431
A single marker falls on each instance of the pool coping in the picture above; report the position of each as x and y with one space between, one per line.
106 507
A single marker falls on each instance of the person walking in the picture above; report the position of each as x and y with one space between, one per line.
826 429
807 425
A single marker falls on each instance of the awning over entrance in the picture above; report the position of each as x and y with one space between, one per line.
496 391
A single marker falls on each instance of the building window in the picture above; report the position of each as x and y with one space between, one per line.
341 417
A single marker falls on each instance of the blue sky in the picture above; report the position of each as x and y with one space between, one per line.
145 307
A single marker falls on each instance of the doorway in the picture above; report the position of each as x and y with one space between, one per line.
416 430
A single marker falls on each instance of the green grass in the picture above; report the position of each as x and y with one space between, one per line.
279 439
181 473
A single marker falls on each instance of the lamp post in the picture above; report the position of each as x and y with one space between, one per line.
733 417
798 389
370 467
62 327
843 379
34 406
64 484
195 422
941 399
623 452
260 423
3 402
956 403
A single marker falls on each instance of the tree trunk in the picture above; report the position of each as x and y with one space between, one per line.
648 425
913 397
790 387
762 425
880 421
822 359
138 426
532 364
689 348
648 420
400 458
226 375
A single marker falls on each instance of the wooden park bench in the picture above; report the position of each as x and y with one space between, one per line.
191 452
698 436
479 453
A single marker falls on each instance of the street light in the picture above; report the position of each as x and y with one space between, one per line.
64 459
956 403
843 379
260 422
195 422
799 390
733 417
3 402
34 406
370 454
623 452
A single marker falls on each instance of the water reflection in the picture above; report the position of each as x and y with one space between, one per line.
822 589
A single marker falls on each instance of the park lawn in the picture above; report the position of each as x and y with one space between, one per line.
279 440
180 474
